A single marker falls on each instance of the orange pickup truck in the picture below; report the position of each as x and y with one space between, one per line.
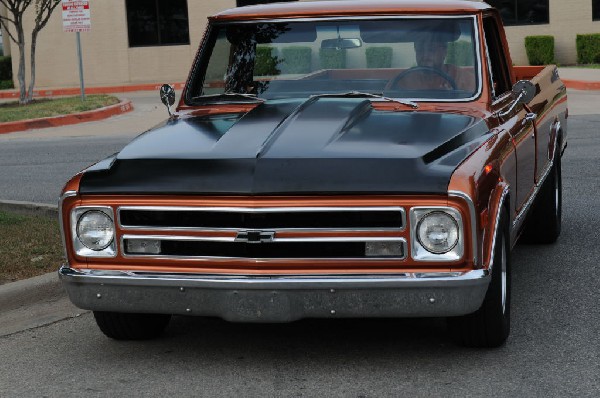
327 159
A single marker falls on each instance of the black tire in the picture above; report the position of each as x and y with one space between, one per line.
124 326
543 225
489 326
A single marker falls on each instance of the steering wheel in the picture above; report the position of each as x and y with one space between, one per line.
427 69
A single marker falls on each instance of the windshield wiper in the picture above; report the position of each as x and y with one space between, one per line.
223 96
360 94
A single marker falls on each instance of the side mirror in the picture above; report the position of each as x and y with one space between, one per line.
167 96
339 43
524 91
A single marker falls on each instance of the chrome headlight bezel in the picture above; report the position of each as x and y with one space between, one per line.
78 246
418 251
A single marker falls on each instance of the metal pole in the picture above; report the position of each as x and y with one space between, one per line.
81 86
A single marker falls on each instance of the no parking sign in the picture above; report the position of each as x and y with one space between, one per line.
76 16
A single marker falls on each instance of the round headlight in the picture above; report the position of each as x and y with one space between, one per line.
95 230
437 232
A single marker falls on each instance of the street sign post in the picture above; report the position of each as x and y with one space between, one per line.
76 18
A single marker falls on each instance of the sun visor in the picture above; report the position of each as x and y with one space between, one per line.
408 31
265 33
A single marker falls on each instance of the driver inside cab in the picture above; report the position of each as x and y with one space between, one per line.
432 72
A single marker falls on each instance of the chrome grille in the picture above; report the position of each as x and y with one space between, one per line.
336 218
264 233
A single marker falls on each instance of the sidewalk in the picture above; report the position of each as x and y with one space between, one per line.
147 112
580 78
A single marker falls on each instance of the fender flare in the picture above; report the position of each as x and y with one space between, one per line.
499 199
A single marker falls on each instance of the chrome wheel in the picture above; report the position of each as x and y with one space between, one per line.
556 195
503 278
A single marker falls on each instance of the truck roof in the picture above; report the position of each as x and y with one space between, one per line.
350 8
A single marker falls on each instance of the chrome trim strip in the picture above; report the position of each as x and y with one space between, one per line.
270 281
350 18
557 127
505 192
533 196
62 198
231 239
473 216
254 210
281 240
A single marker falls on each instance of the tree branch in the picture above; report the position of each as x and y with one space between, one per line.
6 28
46 7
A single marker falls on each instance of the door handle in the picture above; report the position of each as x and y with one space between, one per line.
529 117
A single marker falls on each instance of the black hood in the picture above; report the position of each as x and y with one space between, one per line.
324 146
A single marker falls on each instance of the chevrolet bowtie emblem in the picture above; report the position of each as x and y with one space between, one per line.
255 236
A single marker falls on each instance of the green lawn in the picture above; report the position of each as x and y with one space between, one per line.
29 246
12 111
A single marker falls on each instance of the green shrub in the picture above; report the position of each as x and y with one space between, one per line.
460 53
296 59
540 50
588 48
6 84
5 68
266 62
332 58
379 57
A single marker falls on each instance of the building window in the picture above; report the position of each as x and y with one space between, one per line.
596 10
522 12
157 22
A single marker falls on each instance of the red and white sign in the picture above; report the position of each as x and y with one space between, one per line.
76 16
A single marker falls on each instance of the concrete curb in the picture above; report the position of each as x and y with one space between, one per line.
581 85
26 292
87 116
33 303
89 90
29 208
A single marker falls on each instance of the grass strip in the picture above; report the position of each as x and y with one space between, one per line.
48 107
29 246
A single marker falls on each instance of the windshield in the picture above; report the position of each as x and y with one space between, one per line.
412 58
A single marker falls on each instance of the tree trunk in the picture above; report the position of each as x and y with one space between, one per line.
32 67
21 72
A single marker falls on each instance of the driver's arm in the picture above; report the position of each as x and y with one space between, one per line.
463 76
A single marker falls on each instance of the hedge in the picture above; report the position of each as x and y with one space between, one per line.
540 50
296 59
588 49
266 62
379 57
332 58
6 84
460 53
5 68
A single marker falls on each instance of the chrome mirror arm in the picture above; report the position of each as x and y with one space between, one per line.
167 96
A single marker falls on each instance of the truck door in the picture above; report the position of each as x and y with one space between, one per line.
516 119
524 136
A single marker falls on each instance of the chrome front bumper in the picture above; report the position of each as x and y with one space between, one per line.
278 298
